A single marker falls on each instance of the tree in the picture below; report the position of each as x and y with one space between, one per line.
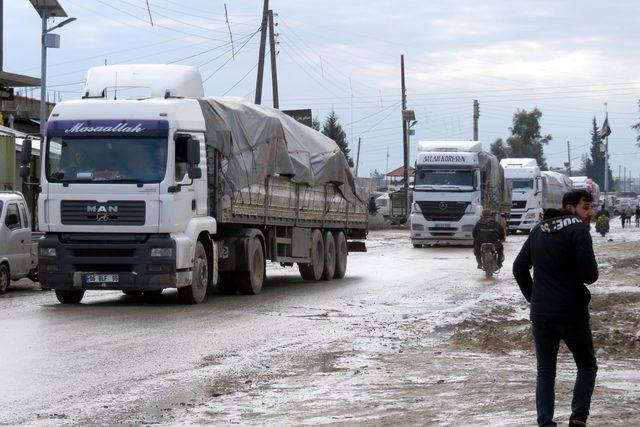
315 124
593 164
636 127
498 149
333 130
526 139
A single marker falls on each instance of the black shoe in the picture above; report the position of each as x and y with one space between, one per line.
576 421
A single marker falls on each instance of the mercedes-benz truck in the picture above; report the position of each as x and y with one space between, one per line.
454 182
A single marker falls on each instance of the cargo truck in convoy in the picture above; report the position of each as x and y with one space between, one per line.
174 190
532 191
454 182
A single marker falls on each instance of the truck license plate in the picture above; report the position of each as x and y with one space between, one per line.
442 226
101 278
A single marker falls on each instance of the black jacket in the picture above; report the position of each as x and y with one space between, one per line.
561 254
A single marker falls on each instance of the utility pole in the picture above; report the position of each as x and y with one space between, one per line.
405 141
569 157
619 178
386 171
624 186
263 42
606 161
476 116
1 33
274 72
358 157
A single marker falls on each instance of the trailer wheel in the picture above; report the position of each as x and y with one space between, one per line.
250 282
227 283
69 296
4 278
341 255
329 256
195 293
314 269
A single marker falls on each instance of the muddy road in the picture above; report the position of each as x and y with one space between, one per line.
409 337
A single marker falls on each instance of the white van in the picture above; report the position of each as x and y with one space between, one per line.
17 252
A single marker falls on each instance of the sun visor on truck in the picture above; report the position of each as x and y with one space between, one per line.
117 128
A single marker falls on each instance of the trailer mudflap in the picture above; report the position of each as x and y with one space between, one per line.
356 246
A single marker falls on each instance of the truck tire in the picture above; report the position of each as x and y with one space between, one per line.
341 255
69 296
227 283
4 278
250 282
195 293
314 269
329 256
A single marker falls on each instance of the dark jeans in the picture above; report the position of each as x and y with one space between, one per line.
579 339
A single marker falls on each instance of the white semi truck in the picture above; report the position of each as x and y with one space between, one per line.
454 182
533 191
174 190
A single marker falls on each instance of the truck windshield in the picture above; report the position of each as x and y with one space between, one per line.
442 177
521 184
106 159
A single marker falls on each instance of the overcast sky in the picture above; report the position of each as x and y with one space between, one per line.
565 57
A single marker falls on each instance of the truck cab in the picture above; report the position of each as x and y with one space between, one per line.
447 192
525 179
17 255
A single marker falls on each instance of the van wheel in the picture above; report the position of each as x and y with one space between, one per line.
329 256
250 282
341 255
195 293
67 296
4 278
314 269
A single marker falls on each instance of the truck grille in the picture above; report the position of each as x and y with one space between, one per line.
518 204
443 211
87 212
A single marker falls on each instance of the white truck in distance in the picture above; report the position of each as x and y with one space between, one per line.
533 191
174 190
454 182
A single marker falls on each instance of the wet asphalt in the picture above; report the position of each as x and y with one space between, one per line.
119 359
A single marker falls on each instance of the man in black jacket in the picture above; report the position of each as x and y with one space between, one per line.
561 253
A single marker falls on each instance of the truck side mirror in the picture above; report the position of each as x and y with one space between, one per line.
194 172
25 155
193 151
25 171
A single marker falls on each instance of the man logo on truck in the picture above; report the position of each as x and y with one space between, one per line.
101 209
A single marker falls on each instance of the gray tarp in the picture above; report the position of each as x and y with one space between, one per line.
260 141
496 194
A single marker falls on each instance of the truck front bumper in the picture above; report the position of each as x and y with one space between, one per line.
81 258
424 232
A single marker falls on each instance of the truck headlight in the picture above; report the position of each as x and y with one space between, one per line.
47 252
416 208
471 209
162 252
530 215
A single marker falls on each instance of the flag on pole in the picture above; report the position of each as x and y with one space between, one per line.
606 130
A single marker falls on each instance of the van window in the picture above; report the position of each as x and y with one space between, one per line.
12 209
23 216
0 207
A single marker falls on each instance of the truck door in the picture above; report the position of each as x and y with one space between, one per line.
27 245
17 235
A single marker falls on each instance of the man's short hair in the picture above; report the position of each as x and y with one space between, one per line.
573 197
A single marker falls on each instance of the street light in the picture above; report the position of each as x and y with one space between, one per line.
48 9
